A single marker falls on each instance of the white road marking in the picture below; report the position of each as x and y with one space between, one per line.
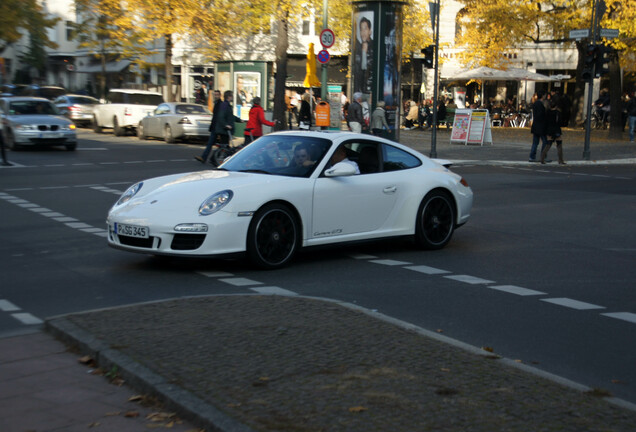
7 306
240 281
78 225
40 210
65 219
512 289
625 316
573 304
17 201
27 318
469 279
93 230
362 256
427 270
216 274
273 290
390 262
52 214
28 205
53 187
102 234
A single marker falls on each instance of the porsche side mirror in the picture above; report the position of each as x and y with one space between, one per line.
341 169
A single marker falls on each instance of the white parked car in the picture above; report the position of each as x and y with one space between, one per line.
174 121
123 110
34 121
289 190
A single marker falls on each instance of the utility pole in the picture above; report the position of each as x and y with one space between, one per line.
434 9
323 70
598 10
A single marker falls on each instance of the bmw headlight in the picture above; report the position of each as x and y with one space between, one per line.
25 127
131 192
215 202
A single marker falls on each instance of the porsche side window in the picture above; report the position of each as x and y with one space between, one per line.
396 159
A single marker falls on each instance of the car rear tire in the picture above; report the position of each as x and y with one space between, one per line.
167 135
435 221
71 147
140 132
96 127
273 236
118 130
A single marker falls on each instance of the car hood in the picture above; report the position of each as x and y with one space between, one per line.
182 194
39 119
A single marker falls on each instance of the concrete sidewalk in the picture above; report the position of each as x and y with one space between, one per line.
288 363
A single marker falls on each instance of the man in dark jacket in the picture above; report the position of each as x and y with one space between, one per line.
212 138
355 113
225 119
538 128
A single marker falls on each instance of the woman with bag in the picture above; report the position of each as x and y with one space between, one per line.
254 126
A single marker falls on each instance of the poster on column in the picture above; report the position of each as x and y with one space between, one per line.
392 32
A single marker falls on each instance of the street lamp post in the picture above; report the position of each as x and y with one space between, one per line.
434 8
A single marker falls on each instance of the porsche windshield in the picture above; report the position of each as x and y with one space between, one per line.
286 155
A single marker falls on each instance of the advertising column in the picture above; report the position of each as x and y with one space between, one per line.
376 48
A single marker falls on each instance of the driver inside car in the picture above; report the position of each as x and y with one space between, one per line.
340 156
301 156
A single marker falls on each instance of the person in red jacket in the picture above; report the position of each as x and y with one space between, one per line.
254 126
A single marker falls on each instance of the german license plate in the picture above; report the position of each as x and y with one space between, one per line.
51 135
131 230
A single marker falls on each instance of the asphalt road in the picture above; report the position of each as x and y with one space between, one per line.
543 272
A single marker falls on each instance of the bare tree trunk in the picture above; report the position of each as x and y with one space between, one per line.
616 105
282 43
168 67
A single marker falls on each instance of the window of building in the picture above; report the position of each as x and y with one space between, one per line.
70 30
306 28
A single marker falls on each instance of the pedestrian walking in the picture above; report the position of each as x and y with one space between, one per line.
355 113
378 119
538 128
254 126
553 131
304 115
631 116
213 137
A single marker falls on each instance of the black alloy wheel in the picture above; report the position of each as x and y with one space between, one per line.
273 236
435 220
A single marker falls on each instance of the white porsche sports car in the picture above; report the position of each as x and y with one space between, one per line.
289 190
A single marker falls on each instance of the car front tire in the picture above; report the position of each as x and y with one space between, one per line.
140 132
96 127
435 222
273 236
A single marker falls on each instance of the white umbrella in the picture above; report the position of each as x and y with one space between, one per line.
485 73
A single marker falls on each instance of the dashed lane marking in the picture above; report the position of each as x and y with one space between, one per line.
625 316
7 306
520 291
427 270
573 304
240 281
215 274
470 279
27 318
273 290
390 262
362 256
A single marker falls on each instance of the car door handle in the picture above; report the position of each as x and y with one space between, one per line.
389 189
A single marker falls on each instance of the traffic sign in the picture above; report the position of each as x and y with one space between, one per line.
323 56
579 34
327 38
609 33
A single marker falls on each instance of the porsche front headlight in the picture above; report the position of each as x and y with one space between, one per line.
215 202
131 192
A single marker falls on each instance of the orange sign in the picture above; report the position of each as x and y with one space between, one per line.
322 114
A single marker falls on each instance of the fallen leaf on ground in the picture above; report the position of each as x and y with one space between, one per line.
356 409
131 414
489 349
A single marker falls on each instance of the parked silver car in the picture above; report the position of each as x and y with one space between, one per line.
78 108
34 121
176 120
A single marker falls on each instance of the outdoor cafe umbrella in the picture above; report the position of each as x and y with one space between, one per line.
311 79
485 73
